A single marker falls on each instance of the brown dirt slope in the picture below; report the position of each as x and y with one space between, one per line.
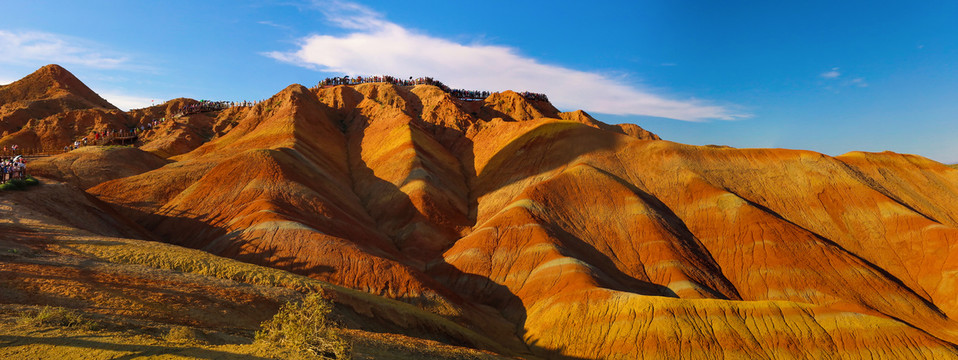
91 165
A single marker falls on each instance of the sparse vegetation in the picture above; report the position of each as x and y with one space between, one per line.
184 335
17 184
170 257
56 317
303 330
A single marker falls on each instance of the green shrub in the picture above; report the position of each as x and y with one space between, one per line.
12 185
303 330
184 335
17 184
56 317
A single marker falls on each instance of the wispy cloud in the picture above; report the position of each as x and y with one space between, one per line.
834 80
32 47
275 25
831 74
377 46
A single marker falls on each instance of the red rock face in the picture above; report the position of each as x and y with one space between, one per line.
557 235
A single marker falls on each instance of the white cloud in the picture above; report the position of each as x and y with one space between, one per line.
275 25
835 80
29 48
127 102
832 74
376 46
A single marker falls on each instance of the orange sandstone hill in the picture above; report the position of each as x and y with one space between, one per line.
52 107
551 234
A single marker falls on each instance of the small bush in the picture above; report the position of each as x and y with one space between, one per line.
57 317
184 335
17 184
303 330
12 185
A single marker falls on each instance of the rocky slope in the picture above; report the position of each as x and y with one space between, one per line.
552 234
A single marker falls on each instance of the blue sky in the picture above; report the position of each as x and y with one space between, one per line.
824 76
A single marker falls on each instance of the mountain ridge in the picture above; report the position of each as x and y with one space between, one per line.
556 235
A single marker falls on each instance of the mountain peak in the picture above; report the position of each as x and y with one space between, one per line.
50 82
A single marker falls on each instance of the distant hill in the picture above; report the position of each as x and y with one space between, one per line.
51 108
52 82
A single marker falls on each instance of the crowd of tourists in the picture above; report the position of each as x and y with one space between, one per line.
103 137
203 106
534 96
206 105
346 80
151 124
12 168
469 95
462 94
